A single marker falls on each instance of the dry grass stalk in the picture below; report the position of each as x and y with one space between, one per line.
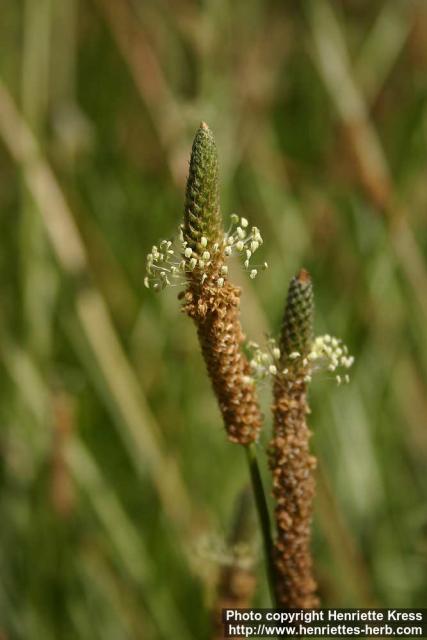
62 487
237 580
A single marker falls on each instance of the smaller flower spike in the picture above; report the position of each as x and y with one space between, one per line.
291 462
297 327
202 219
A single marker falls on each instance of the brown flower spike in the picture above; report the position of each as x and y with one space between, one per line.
211 300
291 463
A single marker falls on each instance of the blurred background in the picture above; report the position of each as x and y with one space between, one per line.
118 488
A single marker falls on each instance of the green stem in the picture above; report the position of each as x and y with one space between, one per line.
264 518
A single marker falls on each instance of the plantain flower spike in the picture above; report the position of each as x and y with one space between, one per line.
211 300
291 462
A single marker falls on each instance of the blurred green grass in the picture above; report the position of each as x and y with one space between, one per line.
114 469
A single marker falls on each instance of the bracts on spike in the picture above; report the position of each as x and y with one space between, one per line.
291 463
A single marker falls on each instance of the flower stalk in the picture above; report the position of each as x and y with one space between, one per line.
213 302
264 519
198 261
